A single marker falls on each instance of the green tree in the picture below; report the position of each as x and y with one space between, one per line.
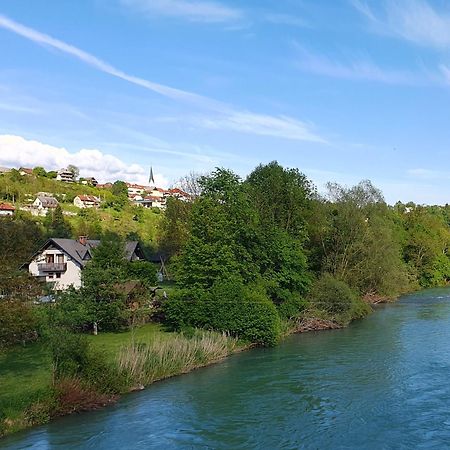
39 171
56 225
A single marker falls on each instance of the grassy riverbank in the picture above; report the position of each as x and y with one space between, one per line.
30 396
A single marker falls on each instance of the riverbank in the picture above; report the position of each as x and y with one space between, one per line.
144 355
30 396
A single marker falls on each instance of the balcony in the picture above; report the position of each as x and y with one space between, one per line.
52 267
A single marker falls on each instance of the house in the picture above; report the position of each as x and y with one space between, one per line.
43 204
25 171
135 189
151 201
6 209
65 175
86 201
91 181
60 261
180 194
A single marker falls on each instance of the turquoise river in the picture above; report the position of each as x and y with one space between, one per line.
382 383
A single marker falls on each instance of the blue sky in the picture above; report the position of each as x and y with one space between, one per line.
342 89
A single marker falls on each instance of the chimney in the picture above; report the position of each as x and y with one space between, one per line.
82 240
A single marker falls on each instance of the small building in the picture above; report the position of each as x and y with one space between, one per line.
151 201
180 195
86 201
65 175
60 261
6 209
134 189
91 181
43 204
25 171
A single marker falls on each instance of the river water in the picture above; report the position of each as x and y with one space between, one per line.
382 383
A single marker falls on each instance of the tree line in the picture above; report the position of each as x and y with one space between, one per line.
252 257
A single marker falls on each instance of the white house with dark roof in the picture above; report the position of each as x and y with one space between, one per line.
60 261
43 204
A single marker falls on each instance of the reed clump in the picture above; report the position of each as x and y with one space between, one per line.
144 363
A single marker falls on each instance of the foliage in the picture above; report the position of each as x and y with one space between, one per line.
18 323
56 226
230 307
332 295
143 271
74 357
174 228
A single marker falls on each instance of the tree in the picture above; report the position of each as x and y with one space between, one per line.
57 225
174 227
281 196
74 169
106 305
119 189
39 172
191 184
222 228
359 241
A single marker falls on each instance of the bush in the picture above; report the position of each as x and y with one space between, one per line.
18 323
332 295
229 307
143 271
292 306
74 358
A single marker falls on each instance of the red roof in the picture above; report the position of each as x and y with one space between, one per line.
88 198
6 207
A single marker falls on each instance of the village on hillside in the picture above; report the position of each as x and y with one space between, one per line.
41 203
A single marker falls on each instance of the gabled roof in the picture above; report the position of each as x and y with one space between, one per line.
6 207
89 198
48 202
81 254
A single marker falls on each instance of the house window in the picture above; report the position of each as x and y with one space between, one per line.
51 275
49 258
59 258
58 275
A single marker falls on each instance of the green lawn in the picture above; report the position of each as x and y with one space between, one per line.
26 372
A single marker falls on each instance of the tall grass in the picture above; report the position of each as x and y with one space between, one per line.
145 363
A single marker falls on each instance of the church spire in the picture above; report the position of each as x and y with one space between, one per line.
151 179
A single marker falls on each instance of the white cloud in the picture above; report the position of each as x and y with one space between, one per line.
357 70
264 125
413 20
278 126
193 10
16 151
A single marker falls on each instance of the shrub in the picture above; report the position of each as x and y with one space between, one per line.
18 323
74 395
292 306
332 295
245 312
73 357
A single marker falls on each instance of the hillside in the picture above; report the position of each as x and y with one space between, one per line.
116 213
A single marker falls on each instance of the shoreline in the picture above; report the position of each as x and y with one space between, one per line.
305 325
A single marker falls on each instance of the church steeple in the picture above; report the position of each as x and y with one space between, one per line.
151 179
